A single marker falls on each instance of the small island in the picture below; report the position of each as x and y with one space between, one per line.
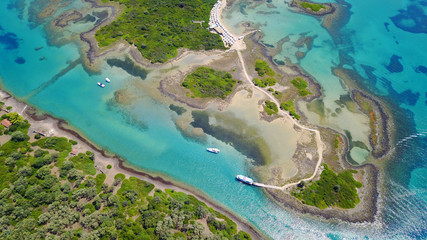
311 8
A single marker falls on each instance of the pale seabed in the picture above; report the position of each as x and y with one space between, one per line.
145 133
281 22
279 134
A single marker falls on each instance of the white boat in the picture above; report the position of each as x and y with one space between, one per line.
245 179
213 150
101 84
107 80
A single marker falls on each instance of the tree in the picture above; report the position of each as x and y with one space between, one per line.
14 117
18 136
20 185
198 228
68 165
5 193
10 161
16 155
44 218
43 172
97 203
38 153
66 187
132 195
90 182
91 155
104 187
32 191
117 181
24 171
201 211
49 181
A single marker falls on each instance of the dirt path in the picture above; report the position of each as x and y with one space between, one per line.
319 142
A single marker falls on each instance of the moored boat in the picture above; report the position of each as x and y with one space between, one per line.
101 84
245 179
107 80
213 150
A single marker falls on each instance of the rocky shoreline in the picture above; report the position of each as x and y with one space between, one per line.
379 136
66 18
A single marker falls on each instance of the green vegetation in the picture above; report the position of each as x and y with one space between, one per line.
84 163
330 190
270 107
289 106
265 82
301 84
337 141
18 123
14 117
263 68
315 7
59 144
277 94
45 194
109 166
159 28
207 82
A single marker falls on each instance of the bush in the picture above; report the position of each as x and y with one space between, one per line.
109 166
73 142
59 144
301 84
39 153
263 68
37 136
258 82
206 82
315 7
270 81
270 107
289 106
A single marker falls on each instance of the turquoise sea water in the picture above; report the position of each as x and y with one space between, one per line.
144 132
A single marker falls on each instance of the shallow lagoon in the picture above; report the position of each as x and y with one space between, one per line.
145 134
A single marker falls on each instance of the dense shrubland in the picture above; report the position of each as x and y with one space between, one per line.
46 194
159 28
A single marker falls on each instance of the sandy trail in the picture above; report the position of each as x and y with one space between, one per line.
284 114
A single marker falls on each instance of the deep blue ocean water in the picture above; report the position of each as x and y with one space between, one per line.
385 40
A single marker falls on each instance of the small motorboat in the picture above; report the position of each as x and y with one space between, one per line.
245 179
101 84
213 150
107 80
